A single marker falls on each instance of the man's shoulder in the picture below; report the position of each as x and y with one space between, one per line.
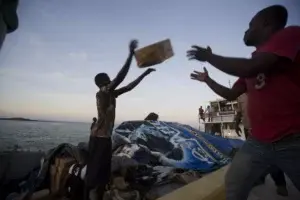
288 34
290 29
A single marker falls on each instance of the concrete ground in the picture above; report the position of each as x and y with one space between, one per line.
268 191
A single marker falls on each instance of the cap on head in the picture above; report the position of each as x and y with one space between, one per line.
102 79
94 119
265 23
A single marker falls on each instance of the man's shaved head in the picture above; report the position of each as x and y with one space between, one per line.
265 23
276 16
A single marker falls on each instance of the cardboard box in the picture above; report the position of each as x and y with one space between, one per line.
154 54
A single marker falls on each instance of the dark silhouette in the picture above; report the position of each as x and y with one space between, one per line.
201 114
94 122
9 21
152 117
100 146
238 120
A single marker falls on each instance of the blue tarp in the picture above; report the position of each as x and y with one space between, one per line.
175 144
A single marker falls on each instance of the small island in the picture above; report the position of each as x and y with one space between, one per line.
18 119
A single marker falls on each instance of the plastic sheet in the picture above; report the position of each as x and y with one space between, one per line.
175 145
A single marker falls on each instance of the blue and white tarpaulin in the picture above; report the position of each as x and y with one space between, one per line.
174 144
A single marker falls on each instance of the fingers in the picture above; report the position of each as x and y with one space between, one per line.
194 76
196 47
192 58
191 52
205 70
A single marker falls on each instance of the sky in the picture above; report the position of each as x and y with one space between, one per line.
47 66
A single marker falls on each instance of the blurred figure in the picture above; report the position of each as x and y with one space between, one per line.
152 117
201 114
94 122
209 112
8 18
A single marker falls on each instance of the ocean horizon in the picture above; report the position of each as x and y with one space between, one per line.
41 135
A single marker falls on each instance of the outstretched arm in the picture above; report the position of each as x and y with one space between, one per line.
133 84
123 72
282 47
227 93
241 67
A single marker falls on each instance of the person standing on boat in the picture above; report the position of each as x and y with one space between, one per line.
271 80
100 146
209 112
242 116
201 114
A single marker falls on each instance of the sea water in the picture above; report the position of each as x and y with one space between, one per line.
34 136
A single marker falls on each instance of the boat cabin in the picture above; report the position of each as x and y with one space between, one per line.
220 118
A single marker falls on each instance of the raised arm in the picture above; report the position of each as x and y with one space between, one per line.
123 72
227 93
133 84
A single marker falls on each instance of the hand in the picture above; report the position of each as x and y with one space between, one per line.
150 70
199 53
133 45
200 76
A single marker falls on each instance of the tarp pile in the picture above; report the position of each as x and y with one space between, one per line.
174 144
150 159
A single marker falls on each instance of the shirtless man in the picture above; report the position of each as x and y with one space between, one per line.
100 146
271 80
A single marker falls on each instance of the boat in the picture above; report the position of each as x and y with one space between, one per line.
221 120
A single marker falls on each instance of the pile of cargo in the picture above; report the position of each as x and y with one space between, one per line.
150 159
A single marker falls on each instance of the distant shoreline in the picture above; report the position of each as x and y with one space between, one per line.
18 119
32 120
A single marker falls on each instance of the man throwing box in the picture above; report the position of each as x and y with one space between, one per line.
100 146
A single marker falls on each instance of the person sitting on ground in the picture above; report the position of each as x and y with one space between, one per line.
100 144
152 117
